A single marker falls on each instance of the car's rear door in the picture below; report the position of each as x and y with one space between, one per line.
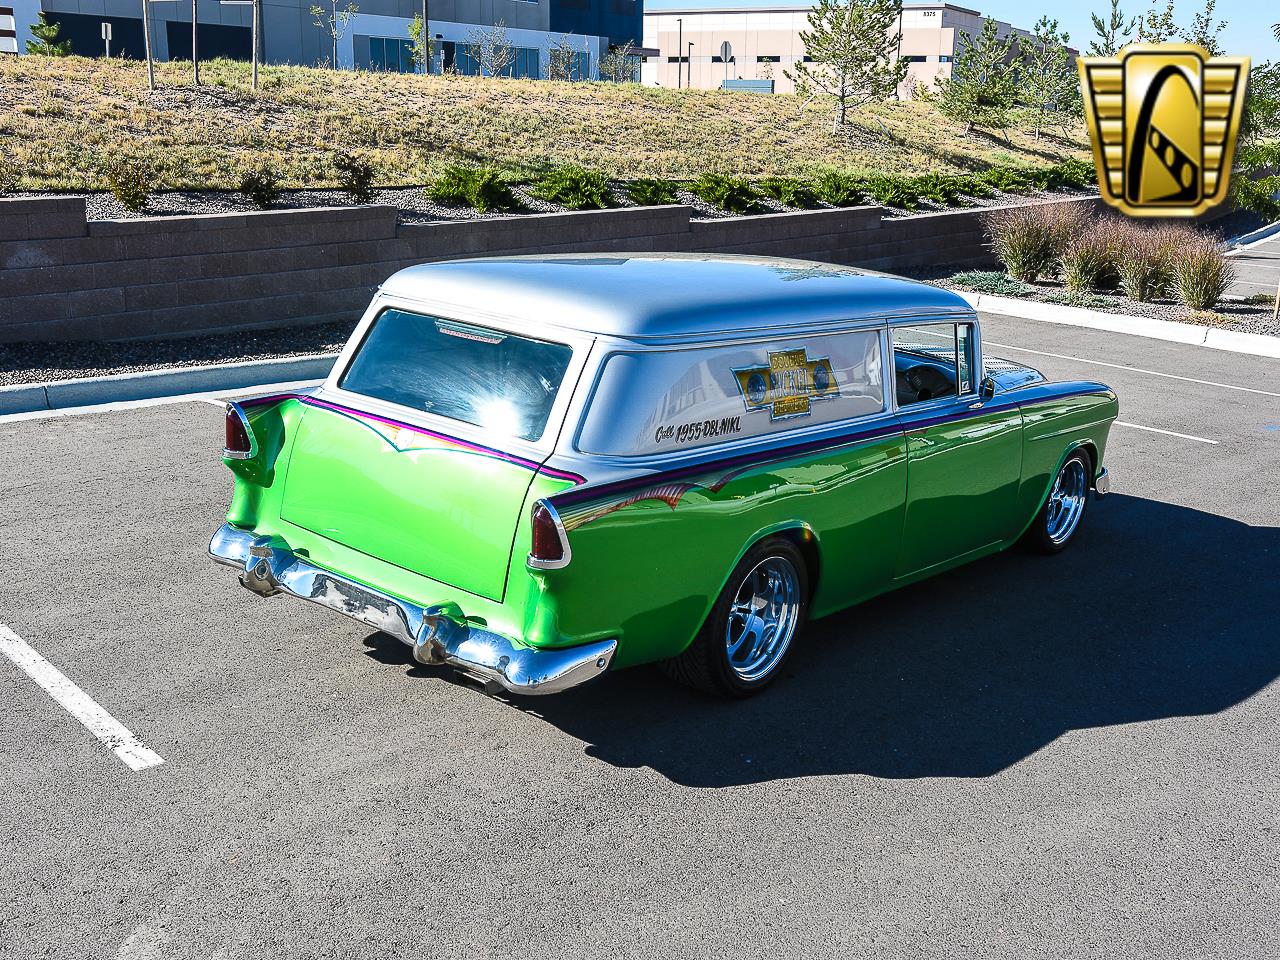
421 450
964 460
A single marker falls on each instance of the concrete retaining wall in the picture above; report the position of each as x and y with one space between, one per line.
65 278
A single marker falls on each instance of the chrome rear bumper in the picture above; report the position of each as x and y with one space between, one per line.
438 635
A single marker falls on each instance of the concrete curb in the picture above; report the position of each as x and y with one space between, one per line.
148 384
1257 344
1243 243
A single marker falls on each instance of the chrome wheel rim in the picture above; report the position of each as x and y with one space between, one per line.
763 618
1066 501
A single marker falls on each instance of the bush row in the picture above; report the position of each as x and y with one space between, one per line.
1091 252
485 188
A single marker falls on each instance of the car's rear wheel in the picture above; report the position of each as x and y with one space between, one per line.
1064 508
753 626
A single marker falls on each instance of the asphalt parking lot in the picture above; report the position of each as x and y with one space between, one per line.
1030 757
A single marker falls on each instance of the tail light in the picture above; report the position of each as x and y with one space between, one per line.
550 544
241 443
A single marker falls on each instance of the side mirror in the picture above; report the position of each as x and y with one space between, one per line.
986 391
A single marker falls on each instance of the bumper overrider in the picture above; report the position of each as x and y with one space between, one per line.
438 634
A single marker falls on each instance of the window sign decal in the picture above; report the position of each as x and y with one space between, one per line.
787 384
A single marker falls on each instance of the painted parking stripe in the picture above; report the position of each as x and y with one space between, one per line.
1167 433
77 703
1121 366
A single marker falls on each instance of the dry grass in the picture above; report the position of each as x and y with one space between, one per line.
60 119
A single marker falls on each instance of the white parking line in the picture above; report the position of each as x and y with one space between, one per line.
1168 433
77 703
1121 366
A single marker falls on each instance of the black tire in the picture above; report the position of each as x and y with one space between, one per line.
1040 537
706 665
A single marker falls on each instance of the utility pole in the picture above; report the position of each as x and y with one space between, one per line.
679 48
195 40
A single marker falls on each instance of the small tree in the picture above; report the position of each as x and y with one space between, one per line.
1158 26
1204 31
1049 80
983 82
46 43
764 70
854 48
423 46
561 59
333 21
1113 33
490 46
619 64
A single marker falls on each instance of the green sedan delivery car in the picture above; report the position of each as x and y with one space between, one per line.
539 469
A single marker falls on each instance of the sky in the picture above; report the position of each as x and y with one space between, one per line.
1248 30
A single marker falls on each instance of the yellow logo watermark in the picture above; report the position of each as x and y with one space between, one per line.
1164 120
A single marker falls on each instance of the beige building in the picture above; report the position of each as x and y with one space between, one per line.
766 41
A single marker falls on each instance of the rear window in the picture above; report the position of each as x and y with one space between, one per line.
657 401
495 380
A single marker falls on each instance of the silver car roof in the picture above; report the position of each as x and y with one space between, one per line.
664 296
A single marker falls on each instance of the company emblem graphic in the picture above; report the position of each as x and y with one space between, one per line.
788 384
1163 119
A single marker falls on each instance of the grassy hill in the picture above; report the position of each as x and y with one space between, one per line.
61 118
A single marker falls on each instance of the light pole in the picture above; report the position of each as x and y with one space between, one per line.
689 74
679 48
256 28
146 43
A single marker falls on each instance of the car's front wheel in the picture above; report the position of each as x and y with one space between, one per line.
751 629
1064 508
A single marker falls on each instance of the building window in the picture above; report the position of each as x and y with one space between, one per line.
915 59
768 59
526 62
391 55
944 59
719 59
677 59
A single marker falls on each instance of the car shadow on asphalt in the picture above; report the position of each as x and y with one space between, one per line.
1155 611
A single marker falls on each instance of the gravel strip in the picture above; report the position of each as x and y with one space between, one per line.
44 362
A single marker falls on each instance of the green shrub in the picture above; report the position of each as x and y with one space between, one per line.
1078 173
788 190
940 189
1143 264
574 188
355 176
1202 273
651 193
1007 179
840 189
732 194
261 186
481 188
1029 239
130 179
992 281
8 179
892 191
1086 301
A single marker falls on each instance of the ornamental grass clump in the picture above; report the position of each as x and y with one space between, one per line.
1086 259
1143 264
1029 240
130 179
1202 273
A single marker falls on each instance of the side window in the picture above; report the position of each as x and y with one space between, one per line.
663 400
932 361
